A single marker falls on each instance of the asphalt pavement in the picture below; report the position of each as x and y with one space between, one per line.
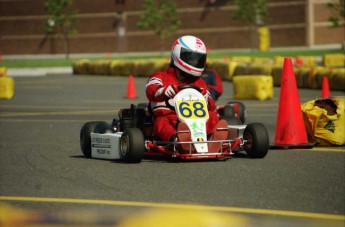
42 168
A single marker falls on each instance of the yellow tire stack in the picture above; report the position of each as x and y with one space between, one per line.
253 87
6 85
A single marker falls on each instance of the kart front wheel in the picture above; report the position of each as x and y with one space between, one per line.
256 140
85 136
132 145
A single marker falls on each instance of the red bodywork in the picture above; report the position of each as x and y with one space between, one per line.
157 148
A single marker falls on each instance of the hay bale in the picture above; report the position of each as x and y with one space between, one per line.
161 64
222 68
306 61
278 61
81 66
277 72
277 75
101 67
231 67
3 72
128 68
253 87
209 61
6 87
115 67
337 80
93 68
317 75
262 60
240 69
303 77
259 69
144 68
333 60
242 59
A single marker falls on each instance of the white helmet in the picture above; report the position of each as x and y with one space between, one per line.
188 53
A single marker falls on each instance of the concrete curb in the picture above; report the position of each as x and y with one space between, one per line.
35 72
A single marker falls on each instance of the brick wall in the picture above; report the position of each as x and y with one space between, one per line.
22 26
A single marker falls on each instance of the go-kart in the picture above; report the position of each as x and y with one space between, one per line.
129 137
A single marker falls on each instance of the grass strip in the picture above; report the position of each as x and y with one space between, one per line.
62 62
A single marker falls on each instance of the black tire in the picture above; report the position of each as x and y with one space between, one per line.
103 127
228 112
132 145
85 137
234 121
257 140
241 110
142 105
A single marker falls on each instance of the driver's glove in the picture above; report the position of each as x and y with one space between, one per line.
206 94
211 103
169 91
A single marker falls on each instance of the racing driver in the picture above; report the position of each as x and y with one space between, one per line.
188 60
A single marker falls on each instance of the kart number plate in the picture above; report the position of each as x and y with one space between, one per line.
192 109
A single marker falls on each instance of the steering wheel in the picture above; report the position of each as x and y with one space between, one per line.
181 87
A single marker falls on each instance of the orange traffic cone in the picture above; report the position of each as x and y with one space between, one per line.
290 129
131 93
325 93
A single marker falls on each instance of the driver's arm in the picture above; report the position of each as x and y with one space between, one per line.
216 88
211 105
157 92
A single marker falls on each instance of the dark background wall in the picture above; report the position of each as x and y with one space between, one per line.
291 23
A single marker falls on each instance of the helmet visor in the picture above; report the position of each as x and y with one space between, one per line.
195 59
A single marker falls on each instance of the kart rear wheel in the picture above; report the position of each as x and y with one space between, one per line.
240 109
85 136
257 140
142 105
132 145
228 112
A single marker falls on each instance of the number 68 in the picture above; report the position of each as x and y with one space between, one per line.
196 110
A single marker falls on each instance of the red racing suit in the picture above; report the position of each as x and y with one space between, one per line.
165 119
214 82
